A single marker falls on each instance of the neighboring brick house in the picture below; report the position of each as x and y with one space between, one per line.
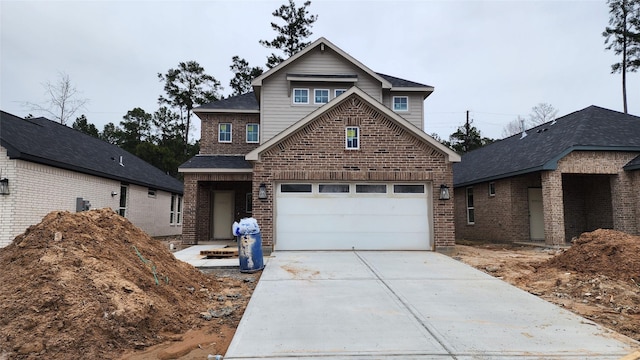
578 173
48 166
327 155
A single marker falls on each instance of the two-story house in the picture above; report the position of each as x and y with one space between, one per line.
327 155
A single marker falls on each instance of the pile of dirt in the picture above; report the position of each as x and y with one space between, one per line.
92 285
606 252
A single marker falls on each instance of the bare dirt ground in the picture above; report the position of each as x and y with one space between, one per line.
91 285
597 278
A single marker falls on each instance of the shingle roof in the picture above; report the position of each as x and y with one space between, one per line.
47 142
593 128
216 162
246 101
397 82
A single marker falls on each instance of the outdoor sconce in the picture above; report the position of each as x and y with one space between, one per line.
444 192
4 186
113 193
262 192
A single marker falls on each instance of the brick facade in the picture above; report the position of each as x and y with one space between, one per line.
387 153
588 190
209 143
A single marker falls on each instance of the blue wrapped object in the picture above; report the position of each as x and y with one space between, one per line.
250 253
246 226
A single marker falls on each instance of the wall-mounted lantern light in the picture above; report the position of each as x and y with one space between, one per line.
444 192
4 186
113 193
262 192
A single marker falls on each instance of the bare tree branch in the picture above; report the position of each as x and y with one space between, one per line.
63 100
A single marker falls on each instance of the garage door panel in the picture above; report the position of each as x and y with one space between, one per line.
312 221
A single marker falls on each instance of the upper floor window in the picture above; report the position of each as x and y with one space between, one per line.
253 133
300 96
224 133
339 92
352 138
400 103
321 96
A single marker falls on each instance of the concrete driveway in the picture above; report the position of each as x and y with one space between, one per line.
406 305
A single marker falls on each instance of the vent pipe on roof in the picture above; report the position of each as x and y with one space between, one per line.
121 164
524 133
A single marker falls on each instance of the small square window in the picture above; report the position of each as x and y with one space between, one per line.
224 133
321 96
352 138
492 189
339 92
400 103
253 131
300 96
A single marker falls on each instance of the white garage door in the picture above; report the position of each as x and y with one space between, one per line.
345 216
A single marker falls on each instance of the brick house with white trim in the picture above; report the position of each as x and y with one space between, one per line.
47 166
575 174
327 155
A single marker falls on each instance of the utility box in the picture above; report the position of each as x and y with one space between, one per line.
82 204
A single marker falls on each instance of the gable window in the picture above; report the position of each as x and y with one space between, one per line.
352 138
492 189
339 92
300 96
224 133
253 133
321 96
400 103
470 209
175 215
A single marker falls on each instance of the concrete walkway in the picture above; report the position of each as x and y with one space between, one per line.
406 305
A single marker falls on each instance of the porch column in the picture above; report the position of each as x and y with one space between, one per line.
623 203
189 209
553 205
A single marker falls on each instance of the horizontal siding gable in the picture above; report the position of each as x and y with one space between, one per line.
277 109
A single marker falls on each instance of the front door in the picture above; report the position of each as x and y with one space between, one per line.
222 215
536 214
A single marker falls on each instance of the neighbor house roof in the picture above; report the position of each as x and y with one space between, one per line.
47 142
633 164
354 91
591 129
216 163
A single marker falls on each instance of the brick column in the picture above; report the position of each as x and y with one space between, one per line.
623 203
189 210
553 205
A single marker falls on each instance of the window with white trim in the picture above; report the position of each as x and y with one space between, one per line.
338 92
320 96
300 96
492 189
122 208
224 133
253 133
175 214
471 219
352 138
400 103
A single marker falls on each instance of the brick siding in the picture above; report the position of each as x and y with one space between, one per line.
209 144
387 153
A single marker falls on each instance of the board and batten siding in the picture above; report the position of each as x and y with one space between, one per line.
415 115
277 109
36 190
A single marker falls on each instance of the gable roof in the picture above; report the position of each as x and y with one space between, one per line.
257 82
216 163
355 91
245 103
592 128
633 164
47 142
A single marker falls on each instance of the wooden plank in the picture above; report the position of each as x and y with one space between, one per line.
223 252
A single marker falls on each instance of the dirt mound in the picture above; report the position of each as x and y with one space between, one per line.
90 285
605 252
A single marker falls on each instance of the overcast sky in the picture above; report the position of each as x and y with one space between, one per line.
497 59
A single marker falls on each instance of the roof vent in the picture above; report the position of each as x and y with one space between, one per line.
524 133
121 164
